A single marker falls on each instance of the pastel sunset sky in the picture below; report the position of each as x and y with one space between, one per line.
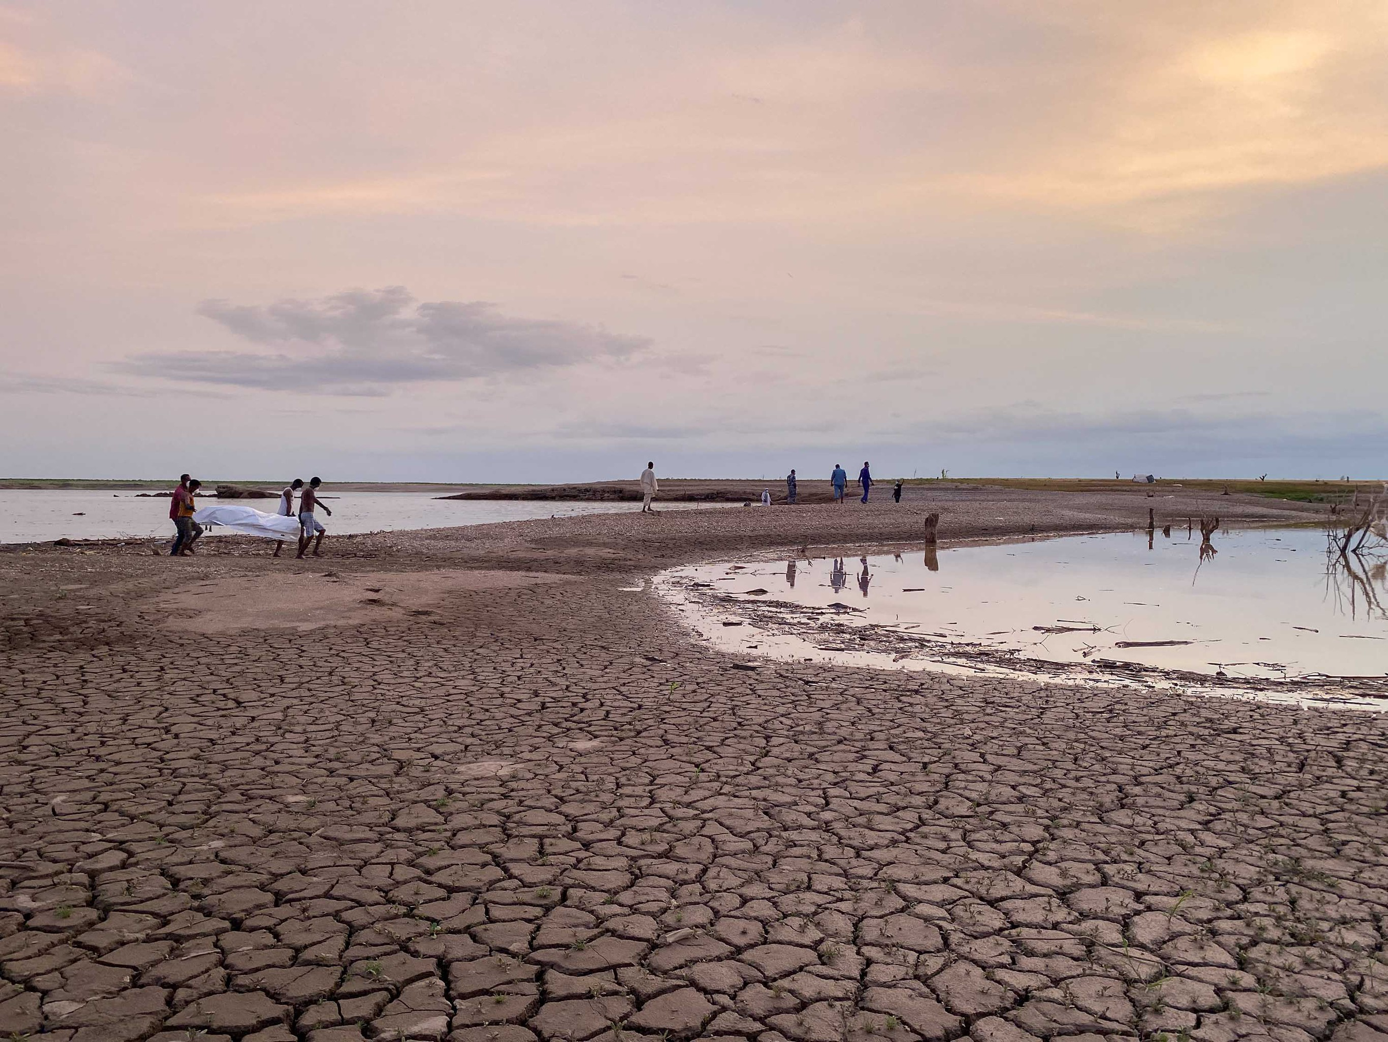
542 241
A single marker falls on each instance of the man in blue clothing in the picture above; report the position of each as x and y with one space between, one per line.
839 478
865 479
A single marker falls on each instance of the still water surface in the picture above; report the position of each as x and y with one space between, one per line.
1263 606
28 515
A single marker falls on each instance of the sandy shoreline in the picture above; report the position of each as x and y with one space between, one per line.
511 800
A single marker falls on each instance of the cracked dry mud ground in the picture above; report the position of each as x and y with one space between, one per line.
542 812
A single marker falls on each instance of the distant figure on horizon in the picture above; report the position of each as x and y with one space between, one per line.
181 511
840 481
865 479
649 487
309 526
766 497
896 490
286 507
790 486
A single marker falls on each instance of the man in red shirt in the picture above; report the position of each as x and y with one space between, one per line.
181 510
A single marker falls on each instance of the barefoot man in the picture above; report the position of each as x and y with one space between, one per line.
286 508
309 526
649 487
839 479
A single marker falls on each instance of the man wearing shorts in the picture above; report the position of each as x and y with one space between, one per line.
309 526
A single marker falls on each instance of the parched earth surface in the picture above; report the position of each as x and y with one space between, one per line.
501 811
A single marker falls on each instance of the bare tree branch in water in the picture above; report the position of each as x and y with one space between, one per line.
1356 561
1208 527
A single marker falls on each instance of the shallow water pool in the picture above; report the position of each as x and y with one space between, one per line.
1255 605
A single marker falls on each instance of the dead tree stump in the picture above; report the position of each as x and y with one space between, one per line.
932 522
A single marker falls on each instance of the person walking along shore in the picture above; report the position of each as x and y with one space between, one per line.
309 526
790 486
865 479
181 512
839 478
649 487
286 507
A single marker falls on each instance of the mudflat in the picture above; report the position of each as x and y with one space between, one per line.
489 790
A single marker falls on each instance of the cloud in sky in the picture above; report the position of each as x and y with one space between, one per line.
366 341
1161 220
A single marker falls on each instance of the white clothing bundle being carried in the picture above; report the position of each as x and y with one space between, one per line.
249 521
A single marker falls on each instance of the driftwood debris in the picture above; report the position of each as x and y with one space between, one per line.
932 522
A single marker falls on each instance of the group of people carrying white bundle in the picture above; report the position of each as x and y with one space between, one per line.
284 524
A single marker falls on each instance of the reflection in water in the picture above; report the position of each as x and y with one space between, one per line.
1208 527
1356 568
790 573
837 578
1271 604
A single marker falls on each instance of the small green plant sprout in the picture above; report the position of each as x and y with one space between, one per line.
373 969
544 893
63 911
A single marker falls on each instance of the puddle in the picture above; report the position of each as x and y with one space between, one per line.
1261 614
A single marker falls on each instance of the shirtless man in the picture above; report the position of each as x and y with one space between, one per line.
308 524
286 507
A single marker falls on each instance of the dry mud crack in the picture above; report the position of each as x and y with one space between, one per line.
541 813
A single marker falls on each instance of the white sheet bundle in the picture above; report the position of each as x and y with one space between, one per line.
249 521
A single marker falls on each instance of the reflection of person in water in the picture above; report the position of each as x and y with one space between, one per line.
838 579
863 577
790 573
932 559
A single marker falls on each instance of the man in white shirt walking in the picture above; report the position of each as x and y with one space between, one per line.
286 507
649 487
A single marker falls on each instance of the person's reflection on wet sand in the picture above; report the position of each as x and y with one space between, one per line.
790 573
838 579
863 577
932 559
